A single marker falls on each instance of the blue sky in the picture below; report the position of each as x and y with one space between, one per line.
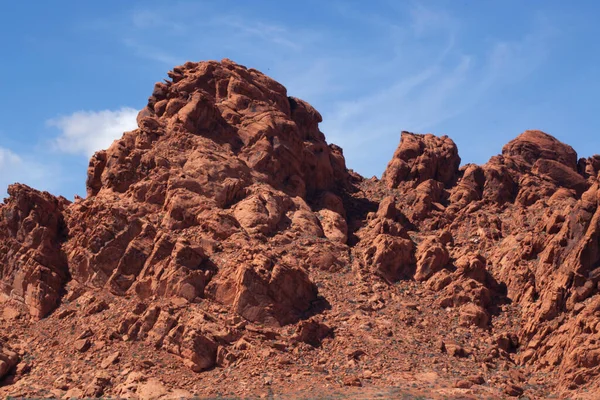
74 73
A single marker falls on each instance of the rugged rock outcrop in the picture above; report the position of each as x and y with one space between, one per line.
225 232
33 267
385 248
223 160
420 158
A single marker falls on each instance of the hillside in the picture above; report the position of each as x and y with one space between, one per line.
225 249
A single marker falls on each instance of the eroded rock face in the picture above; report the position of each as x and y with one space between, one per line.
225 216
385 248
222 159
422 157
432 256
531 146
262 289
33 268
532 166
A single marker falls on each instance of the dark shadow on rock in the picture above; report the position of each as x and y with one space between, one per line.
317 307
357 209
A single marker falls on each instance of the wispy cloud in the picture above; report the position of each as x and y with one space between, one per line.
265 32
439 82
153 53
426 21
407 69
85 132
149 19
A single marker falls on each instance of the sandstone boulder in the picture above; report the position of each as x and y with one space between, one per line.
422 157
432 256
8 359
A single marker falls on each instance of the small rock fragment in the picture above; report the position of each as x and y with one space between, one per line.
82 345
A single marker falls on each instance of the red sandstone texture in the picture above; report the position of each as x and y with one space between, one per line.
224 249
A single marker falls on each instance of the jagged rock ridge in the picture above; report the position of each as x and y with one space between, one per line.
225 223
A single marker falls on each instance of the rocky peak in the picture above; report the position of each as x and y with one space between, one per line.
419 158
222 164
240 113
533 166
531 146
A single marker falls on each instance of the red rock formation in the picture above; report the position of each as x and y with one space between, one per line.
385 248
209 174
33 268
225 217
422 157
531 146
432 256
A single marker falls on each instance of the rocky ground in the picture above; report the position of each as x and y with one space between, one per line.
224 250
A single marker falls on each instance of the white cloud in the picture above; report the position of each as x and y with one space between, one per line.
85 132
25 169
81 133
8 160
